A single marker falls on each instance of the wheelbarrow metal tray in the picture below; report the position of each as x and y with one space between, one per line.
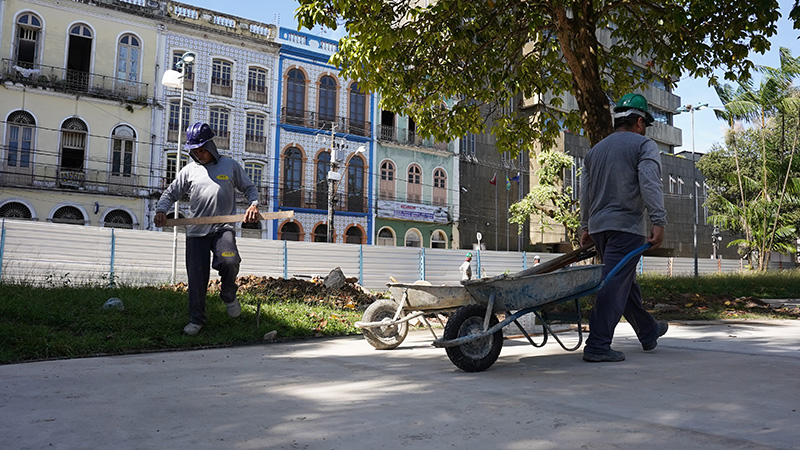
515 293
422 297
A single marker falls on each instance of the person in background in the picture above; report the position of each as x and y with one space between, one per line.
466 268
211 180
621 179
536 260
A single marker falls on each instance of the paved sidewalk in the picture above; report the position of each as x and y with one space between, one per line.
707 386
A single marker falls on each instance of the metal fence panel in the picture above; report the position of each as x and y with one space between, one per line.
60 254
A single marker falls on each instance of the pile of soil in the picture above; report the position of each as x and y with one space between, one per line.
350 295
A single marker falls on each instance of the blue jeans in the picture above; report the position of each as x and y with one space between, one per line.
226 259
620 296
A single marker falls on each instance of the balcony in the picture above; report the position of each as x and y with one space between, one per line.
402 136
72 81
310 119
316 197
254 143
54 177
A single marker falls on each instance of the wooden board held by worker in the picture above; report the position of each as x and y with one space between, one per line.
227 219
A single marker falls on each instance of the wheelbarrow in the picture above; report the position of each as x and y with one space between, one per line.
473 336
385 322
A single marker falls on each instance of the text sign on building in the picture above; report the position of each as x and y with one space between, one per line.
407 211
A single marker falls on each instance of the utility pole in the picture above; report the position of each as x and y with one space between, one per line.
333 178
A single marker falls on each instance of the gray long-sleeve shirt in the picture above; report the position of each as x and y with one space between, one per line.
212 192
621 178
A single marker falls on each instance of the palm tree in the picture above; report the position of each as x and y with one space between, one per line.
775 96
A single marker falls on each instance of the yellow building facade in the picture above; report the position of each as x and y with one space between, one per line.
76 99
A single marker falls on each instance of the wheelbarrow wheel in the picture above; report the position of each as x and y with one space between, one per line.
384 337
477 355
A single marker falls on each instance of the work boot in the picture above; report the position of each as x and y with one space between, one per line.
192 329
663 326
610 356
234 308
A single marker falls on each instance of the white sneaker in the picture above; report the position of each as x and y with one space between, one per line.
192 329
234 308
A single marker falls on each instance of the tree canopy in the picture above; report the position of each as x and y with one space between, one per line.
442 63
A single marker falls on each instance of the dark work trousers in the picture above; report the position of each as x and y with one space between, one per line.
620 296
222 245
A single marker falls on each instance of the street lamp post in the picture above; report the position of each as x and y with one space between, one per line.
175 80
691 109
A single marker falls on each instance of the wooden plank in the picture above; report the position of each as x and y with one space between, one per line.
227 219
585 252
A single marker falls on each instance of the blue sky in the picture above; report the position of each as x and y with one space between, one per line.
692 91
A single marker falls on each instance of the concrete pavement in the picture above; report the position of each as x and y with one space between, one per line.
706 386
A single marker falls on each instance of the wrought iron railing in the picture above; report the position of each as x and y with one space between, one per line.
67 80
316 197
312 119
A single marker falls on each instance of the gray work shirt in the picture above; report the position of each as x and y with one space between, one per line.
212 192
621 178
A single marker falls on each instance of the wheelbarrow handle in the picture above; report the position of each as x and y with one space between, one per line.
635 253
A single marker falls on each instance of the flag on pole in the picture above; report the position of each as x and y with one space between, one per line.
494 179
508 183
516 178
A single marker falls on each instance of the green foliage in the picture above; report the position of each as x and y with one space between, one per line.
761 196
549 199
495 54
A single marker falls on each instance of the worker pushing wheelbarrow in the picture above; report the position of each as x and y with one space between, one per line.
473 336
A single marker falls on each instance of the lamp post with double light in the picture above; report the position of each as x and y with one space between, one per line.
174 79
691 109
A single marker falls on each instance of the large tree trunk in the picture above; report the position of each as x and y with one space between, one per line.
578 40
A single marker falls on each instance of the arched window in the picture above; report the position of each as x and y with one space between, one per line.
327 101
181 228
355 185
118 219
15 210
290 231
438 239
69 214
358 111
321 233
219 117
323 167
439 187
79 57
414 184
221 78
413 238
122 151
29 30
292 177
257 87
73 153
386 237
19 142
387 186
251 230
128 53
295 97
354 236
